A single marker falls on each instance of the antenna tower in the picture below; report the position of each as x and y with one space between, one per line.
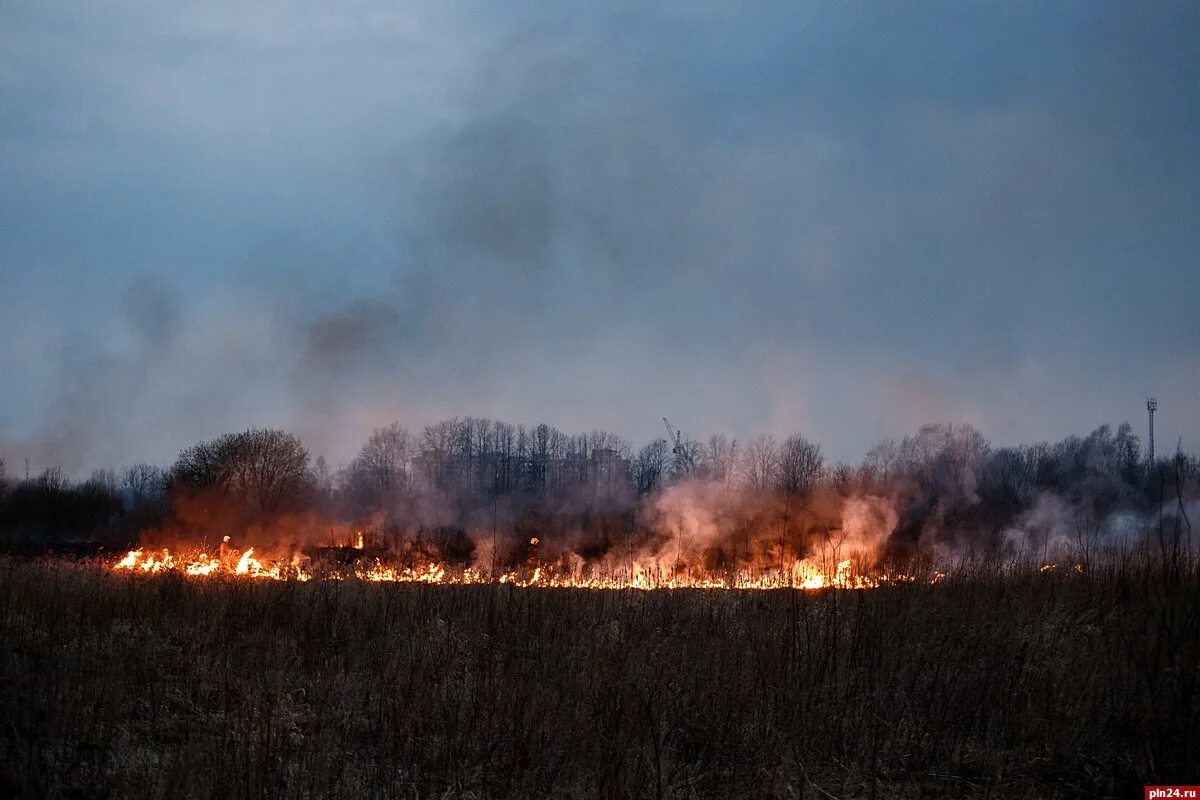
1151 407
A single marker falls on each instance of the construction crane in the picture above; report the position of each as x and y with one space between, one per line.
675 437
683 458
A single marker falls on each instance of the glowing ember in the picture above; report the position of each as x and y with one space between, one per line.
1051 566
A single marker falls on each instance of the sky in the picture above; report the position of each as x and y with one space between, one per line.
840 219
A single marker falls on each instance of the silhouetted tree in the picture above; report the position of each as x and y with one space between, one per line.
650 466
945 483
380 472
797 465
686 456
719 459
759 462
50 509
265 469
142 483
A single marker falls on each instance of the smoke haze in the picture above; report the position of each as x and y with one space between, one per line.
843 221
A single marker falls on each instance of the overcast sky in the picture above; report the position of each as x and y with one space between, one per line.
834 218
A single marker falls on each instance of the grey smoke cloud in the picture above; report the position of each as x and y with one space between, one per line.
844 222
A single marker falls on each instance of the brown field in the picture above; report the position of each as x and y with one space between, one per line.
996 683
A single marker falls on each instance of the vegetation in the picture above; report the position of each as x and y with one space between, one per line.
993 683
1002 680
945 488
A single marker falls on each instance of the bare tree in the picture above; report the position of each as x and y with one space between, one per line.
505 476
759 462
798 465
437 446
650 466
686 457
324 479
380 471
603 440
880 461
842 477
263 468
54 479
104 480
719 458
142 482
275 467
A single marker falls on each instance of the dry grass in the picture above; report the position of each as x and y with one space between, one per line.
990 685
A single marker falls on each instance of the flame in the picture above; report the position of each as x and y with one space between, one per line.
232 563
358 541
243 564
202 565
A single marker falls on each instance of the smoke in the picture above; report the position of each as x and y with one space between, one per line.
689 214
712 526
867 522
1051 526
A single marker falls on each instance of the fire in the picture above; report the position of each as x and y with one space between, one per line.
1051 566
806 574
202 565
238 564
243 564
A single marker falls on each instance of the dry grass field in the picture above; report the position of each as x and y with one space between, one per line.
991 684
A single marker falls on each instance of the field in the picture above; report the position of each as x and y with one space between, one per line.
993 683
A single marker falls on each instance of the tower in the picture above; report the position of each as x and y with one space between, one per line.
1151 407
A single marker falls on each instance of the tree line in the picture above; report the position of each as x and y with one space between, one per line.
948 485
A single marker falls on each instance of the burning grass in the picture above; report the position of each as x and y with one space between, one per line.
805 574
989 683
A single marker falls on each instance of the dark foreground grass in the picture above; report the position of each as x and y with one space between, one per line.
989 686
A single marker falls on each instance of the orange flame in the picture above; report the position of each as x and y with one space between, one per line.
805 574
